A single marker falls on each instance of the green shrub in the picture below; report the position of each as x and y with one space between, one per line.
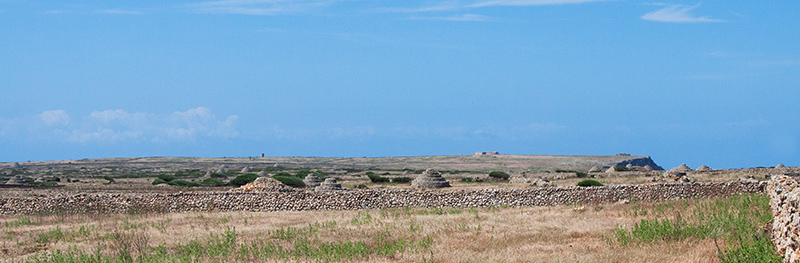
499 175
377 178
243 179
108 178
212 182
183 183
401 180
466 179
581 174
166 177
283 174
589 182
158 181
361 186
290 181
620 168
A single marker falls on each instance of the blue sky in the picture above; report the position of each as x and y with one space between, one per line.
711 82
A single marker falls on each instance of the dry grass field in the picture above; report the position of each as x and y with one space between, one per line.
590 233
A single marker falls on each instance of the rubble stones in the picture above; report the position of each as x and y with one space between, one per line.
430 178
290 199
329 184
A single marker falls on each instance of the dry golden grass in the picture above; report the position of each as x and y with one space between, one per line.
539 234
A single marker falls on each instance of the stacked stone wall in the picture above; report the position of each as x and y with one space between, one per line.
784 195
364 199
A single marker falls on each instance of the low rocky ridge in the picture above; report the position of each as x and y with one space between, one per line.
784 195
364 199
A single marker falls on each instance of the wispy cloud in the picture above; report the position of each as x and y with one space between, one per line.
455 5
120 12
677 14
110 126
464 17
530 2
260 7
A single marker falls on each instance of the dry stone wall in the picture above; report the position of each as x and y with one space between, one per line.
784 193
364 199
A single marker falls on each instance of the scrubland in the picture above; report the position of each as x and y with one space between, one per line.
695 230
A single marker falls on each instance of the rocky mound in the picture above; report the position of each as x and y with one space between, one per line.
430 179
264 184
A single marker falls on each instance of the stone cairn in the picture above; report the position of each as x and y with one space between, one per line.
329 184
18 180
247 169
703 168
780 166
678 174
264 184
430 178
16 166
312 181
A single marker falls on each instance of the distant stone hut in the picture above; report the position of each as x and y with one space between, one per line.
430 178
329 184
312 181
780 166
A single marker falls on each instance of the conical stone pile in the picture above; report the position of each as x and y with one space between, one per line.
18 180
329 184
312 181
703 168
430 179
246 169
264 184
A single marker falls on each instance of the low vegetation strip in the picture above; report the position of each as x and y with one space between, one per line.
366 199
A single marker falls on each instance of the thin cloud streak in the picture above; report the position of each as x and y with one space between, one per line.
677 14
464 17
531 2
260 7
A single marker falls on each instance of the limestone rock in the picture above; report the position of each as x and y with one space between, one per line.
312 181
648 168
246 169
595 169
611 170
262 173
329 184
430 178
780 166
16 166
